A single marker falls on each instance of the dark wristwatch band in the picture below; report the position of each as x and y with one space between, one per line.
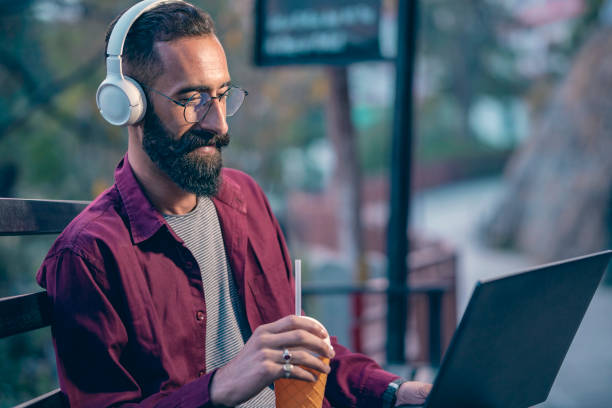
390 395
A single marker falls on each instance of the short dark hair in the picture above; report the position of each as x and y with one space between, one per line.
166 22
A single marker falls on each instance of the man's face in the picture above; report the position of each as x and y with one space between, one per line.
190 154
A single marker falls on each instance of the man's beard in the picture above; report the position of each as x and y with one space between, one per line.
198 174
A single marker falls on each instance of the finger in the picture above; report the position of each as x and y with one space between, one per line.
419 389
425 389
298 373
293 322
299 338
306 359
413 392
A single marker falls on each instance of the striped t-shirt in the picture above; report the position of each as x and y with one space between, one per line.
227 328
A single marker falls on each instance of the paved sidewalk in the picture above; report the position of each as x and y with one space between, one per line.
454 213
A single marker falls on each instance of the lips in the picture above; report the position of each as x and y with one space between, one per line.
208 149
193 140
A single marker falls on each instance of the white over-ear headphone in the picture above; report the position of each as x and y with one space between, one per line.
121 99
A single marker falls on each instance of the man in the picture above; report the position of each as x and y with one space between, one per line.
174 288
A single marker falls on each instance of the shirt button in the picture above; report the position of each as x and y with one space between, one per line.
200 315
201 373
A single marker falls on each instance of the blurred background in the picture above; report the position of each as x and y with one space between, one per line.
511 159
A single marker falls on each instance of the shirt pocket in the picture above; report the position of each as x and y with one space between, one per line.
272 300
269 284
266 258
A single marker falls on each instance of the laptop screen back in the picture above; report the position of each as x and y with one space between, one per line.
514 335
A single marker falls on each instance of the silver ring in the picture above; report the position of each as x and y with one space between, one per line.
287 367
286 356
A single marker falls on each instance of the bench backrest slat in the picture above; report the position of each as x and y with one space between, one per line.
28 217
23 313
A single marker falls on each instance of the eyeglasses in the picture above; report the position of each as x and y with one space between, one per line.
196 107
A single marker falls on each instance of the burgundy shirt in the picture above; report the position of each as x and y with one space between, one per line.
129 317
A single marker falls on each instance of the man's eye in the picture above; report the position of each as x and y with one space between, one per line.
186 97
192 100
224 94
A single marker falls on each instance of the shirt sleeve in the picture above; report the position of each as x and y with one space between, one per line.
90 339
355 379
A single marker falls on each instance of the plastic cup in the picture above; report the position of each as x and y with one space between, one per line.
292 393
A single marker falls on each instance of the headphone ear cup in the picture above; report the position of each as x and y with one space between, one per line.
121 101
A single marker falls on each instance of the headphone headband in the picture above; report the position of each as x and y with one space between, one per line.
125 22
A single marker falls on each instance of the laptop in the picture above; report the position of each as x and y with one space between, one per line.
514 335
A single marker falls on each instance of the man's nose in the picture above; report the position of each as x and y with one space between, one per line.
215 119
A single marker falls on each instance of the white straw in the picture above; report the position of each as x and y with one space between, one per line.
298 287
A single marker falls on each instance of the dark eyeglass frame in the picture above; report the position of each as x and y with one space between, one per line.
208 102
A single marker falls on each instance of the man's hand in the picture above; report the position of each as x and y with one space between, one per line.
412 393
260 362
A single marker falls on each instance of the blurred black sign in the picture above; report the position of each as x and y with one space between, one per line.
316 31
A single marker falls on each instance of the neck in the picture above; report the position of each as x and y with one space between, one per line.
165 195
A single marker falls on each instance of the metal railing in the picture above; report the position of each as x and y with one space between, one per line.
433 291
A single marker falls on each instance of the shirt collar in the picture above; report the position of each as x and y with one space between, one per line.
144 219
230 193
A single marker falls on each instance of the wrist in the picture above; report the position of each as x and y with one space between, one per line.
389 397
218 396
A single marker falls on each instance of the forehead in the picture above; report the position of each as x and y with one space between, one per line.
198 62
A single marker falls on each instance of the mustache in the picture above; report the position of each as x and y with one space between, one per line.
193 139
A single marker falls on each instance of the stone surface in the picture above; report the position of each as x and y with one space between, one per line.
557 203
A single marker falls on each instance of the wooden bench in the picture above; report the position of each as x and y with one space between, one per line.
27 312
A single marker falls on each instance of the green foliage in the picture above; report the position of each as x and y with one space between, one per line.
47 157
28 367
461 43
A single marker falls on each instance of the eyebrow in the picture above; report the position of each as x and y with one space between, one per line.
191 88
